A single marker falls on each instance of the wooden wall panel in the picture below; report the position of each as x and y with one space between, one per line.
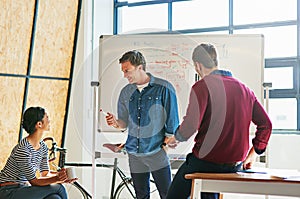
16 19
51 95
54 38
11 99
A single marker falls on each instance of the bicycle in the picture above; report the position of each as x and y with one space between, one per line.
75 190
125 189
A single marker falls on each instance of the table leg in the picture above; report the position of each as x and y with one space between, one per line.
196 189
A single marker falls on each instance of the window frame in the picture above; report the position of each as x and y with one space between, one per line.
269 62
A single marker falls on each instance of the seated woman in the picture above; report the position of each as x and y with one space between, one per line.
18 178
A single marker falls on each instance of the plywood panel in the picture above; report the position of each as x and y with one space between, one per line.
52 55
16 19
54 38
11 99
51 95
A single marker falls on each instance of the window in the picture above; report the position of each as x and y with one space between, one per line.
283 113
152 18
277 75
275 19
190 14
279 41
258 11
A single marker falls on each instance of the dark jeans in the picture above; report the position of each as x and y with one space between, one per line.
54 191
181 187
159 167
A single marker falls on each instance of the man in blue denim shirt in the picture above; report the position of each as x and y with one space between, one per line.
147 106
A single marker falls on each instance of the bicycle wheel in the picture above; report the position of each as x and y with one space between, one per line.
75 191
125 190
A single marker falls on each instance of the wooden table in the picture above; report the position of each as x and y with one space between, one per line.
247 183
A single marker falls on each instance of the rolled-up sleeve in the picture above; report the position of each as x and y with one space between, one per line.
171 108
263 130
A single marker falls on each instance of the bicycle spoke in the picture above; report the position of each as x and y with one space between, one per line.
74 192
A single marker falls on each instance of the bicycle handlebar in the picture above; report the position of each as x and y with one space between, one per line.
54 148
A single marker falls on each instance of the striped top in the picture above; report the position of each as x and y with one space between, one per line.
24 161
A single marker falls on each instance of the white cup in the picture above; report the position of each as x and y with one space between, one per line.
71 173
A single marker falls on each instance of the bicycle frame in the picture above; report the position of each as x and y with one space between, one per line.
62 163
116 170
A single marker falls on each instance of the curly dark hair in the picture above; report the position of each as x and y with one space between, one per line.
30 117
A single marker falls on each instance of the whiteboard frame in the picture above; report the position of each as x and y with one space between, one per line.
247 51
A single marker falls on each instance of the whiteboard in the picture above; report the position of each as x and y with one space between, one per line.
169 56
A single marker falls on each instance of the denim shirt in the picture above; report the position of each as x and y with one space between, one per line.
150 115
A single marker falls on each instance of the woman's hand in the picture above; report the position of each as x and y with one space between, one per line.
62 175
70 180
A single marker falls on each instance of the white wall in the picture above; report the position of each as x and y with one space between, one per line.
80 119
79 134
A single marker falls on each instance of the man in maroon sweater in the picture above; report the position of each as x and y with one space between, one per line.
220 110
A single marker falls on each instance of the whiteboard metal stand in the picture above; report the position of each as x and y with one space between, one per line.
95 85
267 86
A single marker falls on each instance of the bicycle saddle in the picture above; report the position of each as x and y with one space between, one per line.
116 148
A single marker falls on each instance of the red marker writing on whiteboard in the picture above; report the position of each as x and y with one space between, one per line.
104 113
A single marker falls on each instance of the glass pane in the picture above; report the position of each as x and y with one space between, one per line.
276 75
221 32
283 113
200 14
279 41
133 1
150 18
265 11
